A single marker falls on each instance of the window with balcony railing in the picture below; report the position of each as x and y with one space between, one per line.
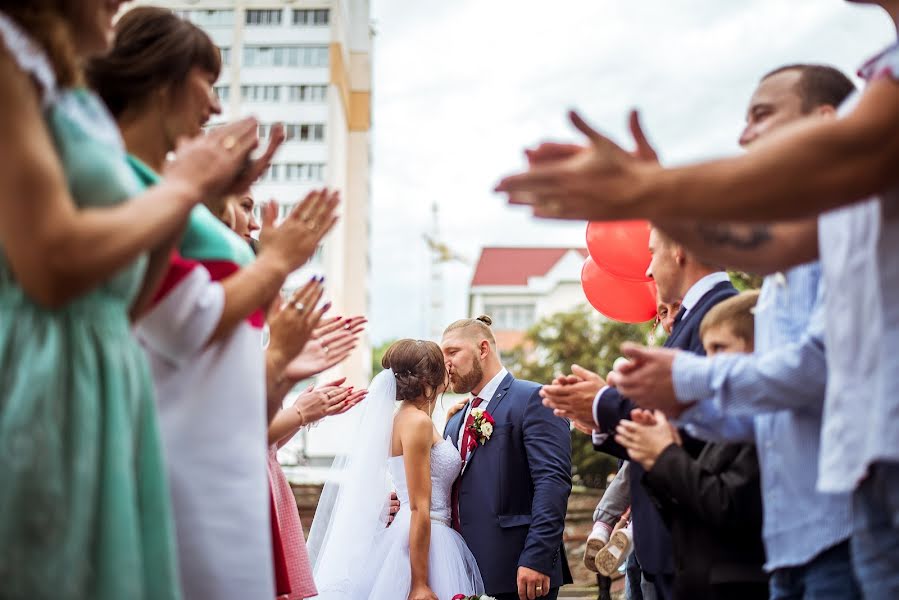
260 93
263 17
285 56
313 17
208 18
307 93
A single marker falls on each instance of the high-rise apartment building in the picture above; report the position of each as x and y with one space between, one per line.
306 64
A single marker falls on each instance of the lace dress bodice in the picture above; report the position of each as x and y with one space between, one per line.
446 464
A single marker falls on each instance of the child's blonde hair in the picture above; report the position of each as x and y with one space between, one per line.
736 313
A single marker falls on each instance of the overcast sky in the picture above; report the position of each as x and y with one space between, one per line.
461 87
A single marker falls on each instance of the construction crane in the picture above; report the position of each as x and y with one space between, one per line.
441 254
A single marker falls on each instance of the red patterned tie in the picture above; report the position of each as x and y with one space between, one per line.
468 444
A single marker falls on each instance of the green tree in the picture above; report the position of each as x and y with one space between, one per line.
377 354
581 337
745 281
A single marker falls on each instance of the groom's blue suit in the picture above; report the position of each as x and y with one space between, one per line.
513 492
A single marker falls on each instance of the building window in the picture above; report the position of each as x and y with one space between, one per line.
263 17
304 171
307 93
208 18
273 173
260 93
223 92
511 316
311 17
226 56
285 56
305 132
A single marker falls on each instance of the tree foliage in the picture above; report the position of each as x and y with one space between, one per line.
377 353
585 338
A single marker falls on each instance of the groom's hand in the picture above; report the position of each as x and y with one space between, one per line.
532 584
393 507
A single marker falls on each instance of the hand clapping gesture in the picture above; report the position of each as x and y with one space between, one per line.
572 396
330 345
646 436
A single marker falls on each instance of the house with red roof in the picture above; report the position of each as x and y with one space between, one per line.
517 286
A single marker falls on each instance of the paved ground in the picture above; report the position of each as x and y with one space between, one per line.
578 524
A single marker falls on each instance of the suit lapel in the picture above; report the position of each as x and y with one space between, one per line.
492 405
451 429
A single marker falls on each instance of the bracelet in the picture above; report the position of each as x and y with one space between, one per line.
299 412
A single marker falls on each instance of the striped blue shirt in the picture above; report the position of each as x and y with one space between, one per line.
776 397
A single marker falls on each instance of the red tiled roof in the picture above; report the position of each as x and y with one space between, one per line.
513 266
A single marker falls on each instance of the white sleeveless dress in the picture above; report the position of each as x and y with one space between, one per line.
451 567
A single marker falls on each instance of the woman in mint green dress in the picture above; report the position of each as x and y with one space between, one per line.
84 504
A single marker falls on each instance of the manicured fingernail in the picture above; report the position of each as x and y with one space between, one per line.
326 306
322 279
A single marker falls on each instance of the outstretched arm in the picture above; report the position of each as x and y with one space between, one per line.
58 251
799 171
547 442
762 249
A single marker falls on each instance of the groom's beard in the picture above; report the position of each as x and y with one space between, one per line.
463 384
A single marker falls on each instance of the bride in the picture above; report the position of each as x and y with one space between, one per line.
419 557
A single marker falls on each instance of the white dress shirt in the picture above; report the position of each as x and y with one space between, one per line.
486 394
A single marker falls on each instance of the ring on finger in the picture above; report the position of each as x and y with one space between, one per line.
299 306
229 142
309 225
325 348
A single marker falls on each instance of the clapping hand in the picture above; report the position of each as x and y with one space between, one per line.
294 322
330 345
646 436
647 379
572 396
295 239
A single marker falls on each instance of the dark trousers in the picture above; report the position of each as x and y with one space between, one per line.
739 591
663 583
553 594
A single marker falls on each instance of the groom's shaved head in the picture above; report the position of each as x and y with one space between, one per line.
474 329
469 350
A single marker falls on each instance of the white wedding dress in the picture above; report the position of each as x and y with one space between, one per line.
354 555
451 567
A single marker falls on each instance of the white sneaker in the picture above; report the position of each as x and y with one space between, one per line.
613 554
597 539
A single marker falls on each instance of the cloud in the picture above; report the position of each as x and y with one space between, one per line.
461 88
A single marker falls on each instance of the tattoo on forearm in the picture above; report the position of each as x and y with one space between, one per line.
746 237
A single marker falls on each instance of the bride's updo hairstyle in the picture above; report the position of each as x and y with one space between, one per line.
417 365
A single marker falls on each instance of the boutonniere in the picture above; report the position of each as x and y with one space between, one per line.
481 426
481 597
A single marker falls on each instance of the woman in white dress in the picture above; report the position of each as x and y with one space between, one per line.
419 557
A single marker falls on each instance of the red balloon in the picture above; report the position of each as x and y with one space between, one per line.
618 299
620 247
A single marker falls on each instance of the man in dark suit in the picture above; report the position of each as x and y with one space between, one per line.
510 501
586 399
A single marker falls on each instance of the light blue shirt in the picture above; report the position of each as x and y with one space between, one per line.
775 396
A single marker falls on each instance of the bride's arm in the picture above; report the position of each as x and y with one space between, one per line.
417 436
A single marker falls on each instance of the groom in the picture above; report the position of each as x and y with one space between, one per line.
509 503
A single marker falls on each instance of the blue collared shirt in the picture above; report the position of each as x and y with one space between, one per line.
775 396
